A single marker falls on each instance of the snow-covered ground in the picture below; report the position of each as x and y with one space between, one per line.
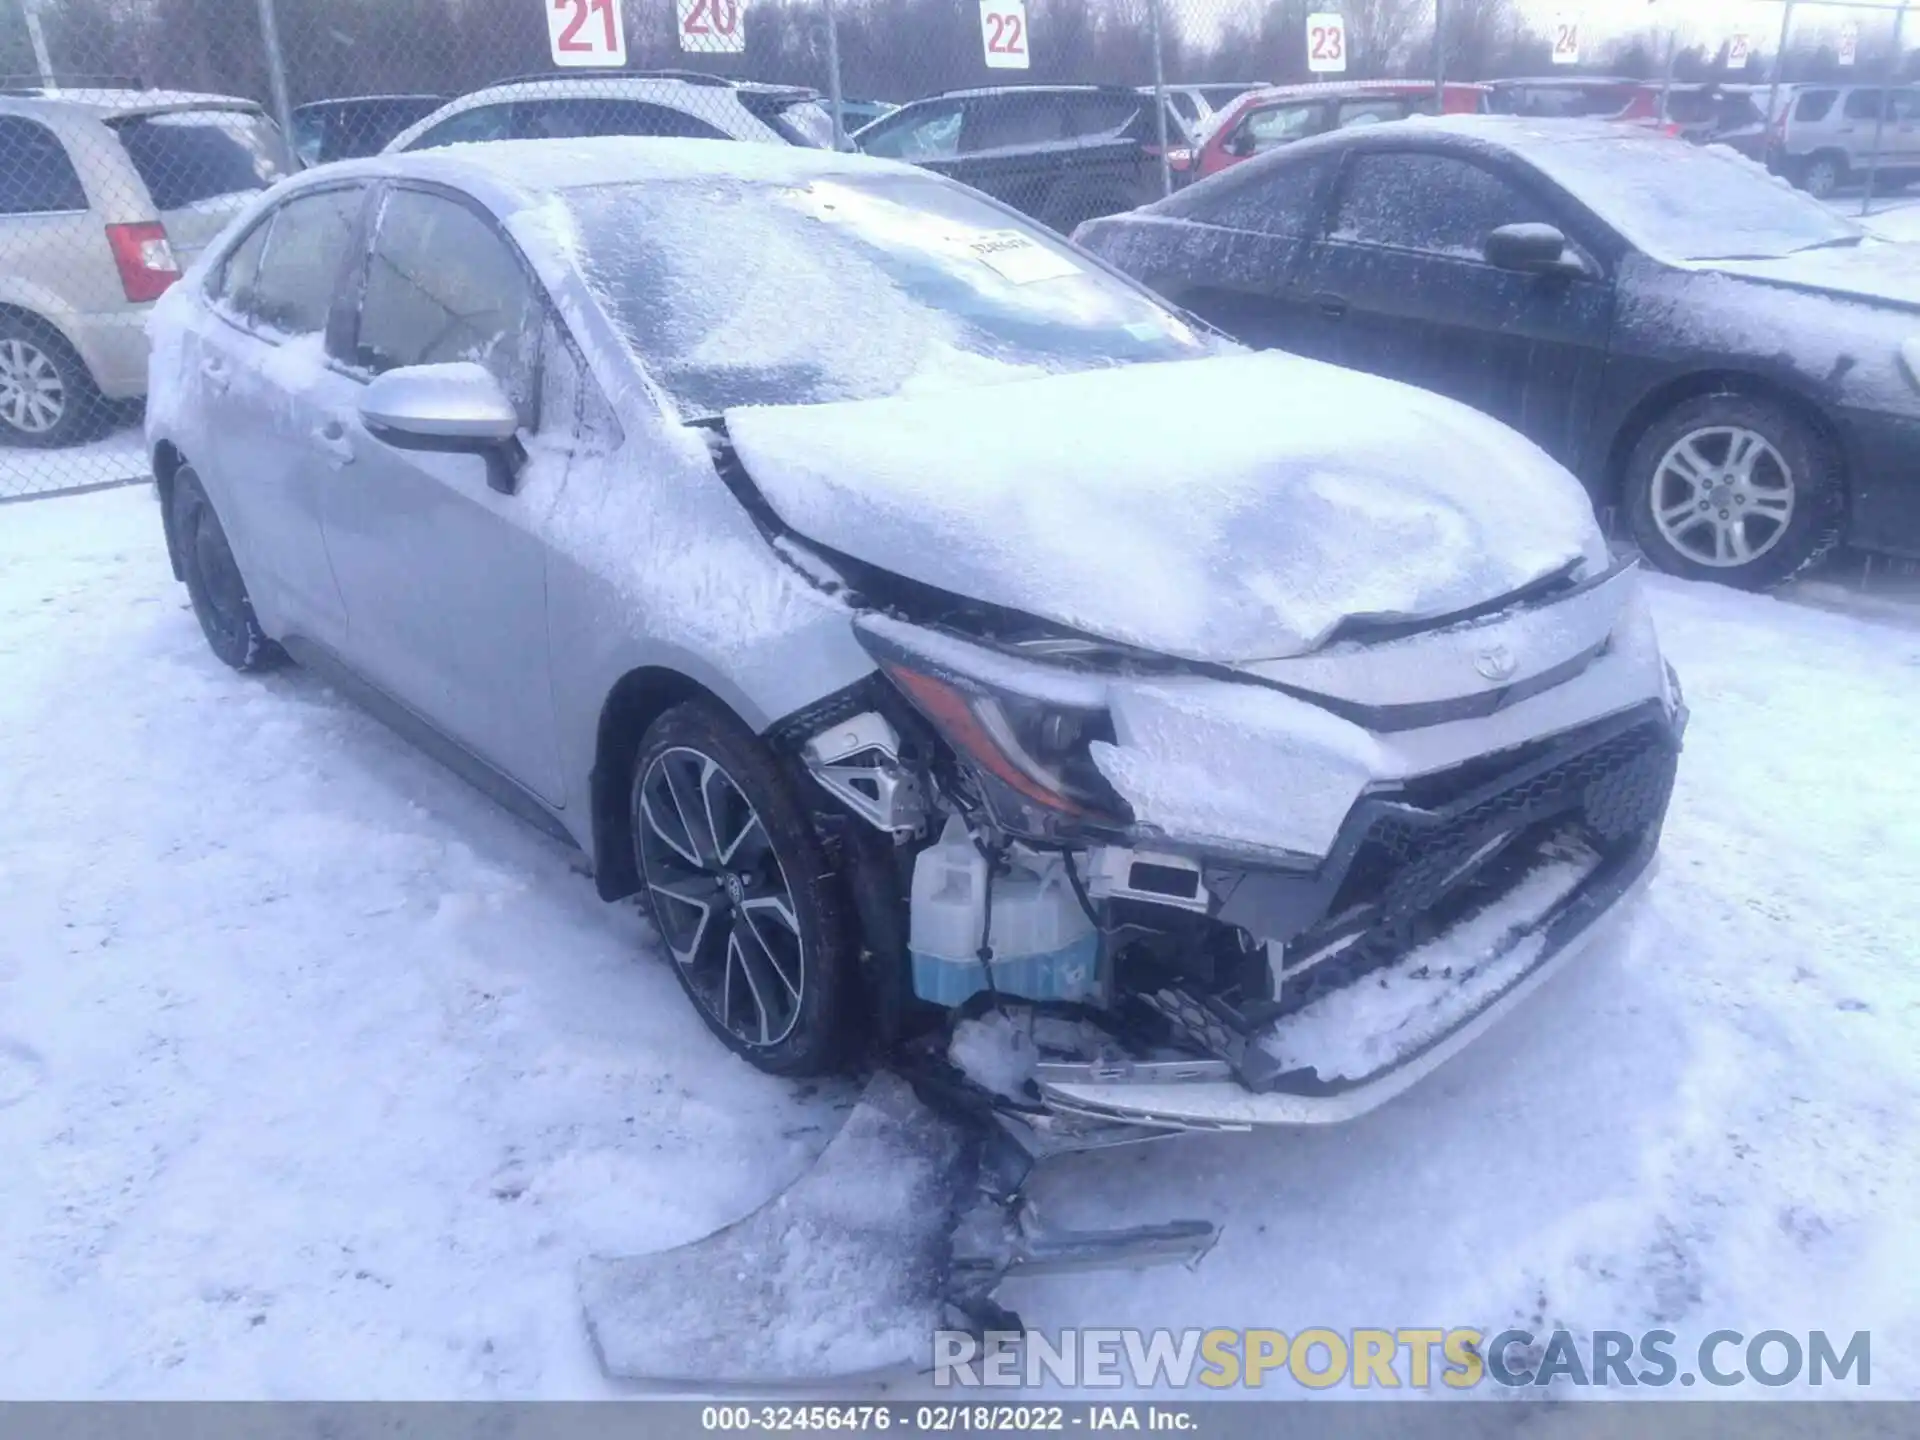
118 456
1897 217
318 1074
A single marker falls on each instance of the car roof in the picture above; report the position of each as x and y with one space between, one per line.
1331 88
510 172
982 91
717 102
346 101
111 103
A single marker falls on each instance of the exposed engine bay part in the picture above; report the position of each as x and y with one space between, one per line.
908 1222
858 762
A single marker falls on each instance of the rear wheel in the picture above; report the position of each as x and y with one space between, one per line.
47 398
214 583
741 892
1822 175
1734 489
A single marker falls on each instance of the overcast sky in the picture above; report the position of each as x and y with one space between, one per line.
1713 20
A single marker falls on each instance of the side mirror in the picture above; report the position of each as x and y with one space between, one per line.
1532 249
455 409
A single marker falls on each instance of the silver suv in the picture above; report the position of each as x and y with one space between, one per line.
1823 135
105 196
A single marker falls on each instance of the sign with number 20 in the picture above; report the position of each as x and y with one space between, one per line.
586 32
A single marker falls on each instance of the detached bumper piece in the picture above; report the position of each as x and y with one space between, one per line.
908 1222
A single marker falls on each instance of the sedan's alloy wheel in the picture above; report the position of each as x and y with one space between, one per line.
721 897
33 396
1722 495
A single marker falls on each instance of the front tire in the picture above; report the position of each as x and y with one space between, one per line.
741 892
1734 489
214 584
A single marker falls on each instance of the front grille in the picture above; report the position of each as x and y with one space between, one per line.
1415 871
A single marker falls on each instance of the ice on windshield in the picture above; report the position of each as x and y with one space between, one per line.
1685 202
735 292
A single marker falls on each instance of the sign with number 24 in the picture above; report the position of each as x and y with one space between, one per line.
586 32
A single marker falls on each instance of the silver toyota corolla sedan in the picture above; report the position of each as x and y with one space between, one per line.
928 622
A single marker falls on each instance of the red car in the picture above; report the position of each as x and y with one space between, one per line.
1278 115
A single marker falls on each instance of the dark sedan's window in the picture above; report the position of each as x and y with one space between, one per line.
36 177
299 268
443 286
1101 114
1280 201
1436 203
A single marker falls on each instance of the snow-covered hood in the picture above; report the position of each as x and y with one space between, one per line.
1226 509
1882 271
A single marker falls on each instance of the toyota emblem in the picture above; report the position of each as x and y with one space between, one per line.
1496 662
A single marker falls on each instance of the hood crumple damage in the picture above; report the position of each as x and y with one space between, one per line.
1228 509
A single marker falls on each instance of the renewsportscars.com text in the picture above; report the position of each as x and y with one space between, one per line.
1410 1358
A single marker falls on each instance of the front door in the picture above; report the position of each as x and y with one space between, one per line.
444 578
1405 291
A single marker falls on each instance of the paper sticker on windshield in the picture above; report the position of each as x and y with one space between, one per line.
1014 257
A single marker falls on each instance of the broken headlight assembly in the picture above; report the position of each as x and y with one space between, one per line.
1024 731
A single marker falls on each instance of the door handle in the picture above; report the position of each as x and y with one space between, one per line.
1334 307
216 372
334 441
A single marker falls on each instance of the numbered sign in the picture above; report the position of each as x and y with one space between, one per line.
586 32
1739 52
1003 33
1566 39
1849 43
1326 44
712 27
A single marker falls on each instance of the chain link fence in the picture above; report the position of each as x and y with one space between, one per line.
132 130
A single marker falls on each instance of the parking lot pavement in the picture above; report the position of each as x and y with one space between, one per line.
318 1074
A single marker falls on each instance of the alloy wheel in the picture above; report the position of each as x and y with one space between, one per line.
1722 495
33 396
1823 178
721 898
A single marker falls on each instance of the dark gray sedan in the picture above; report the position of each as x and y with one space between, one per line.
1727 362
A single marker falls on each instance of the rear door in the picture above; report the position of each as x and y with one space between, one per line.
201 166
1403 290
1011 147
444 579
259 364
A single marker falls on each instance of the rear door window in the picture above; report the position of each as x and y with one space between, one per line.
36 177
565 119
301 262
188 156
475 126
1862 105
1103 114
1370 112
1284 200
1004 122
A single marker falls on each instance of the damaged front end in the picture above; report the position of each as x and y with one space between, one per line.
1106 896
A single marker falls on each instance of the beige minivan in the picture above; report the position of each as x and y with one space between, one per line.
106 195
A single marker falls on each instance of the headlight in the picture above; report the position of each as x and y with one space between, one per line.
1023 728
